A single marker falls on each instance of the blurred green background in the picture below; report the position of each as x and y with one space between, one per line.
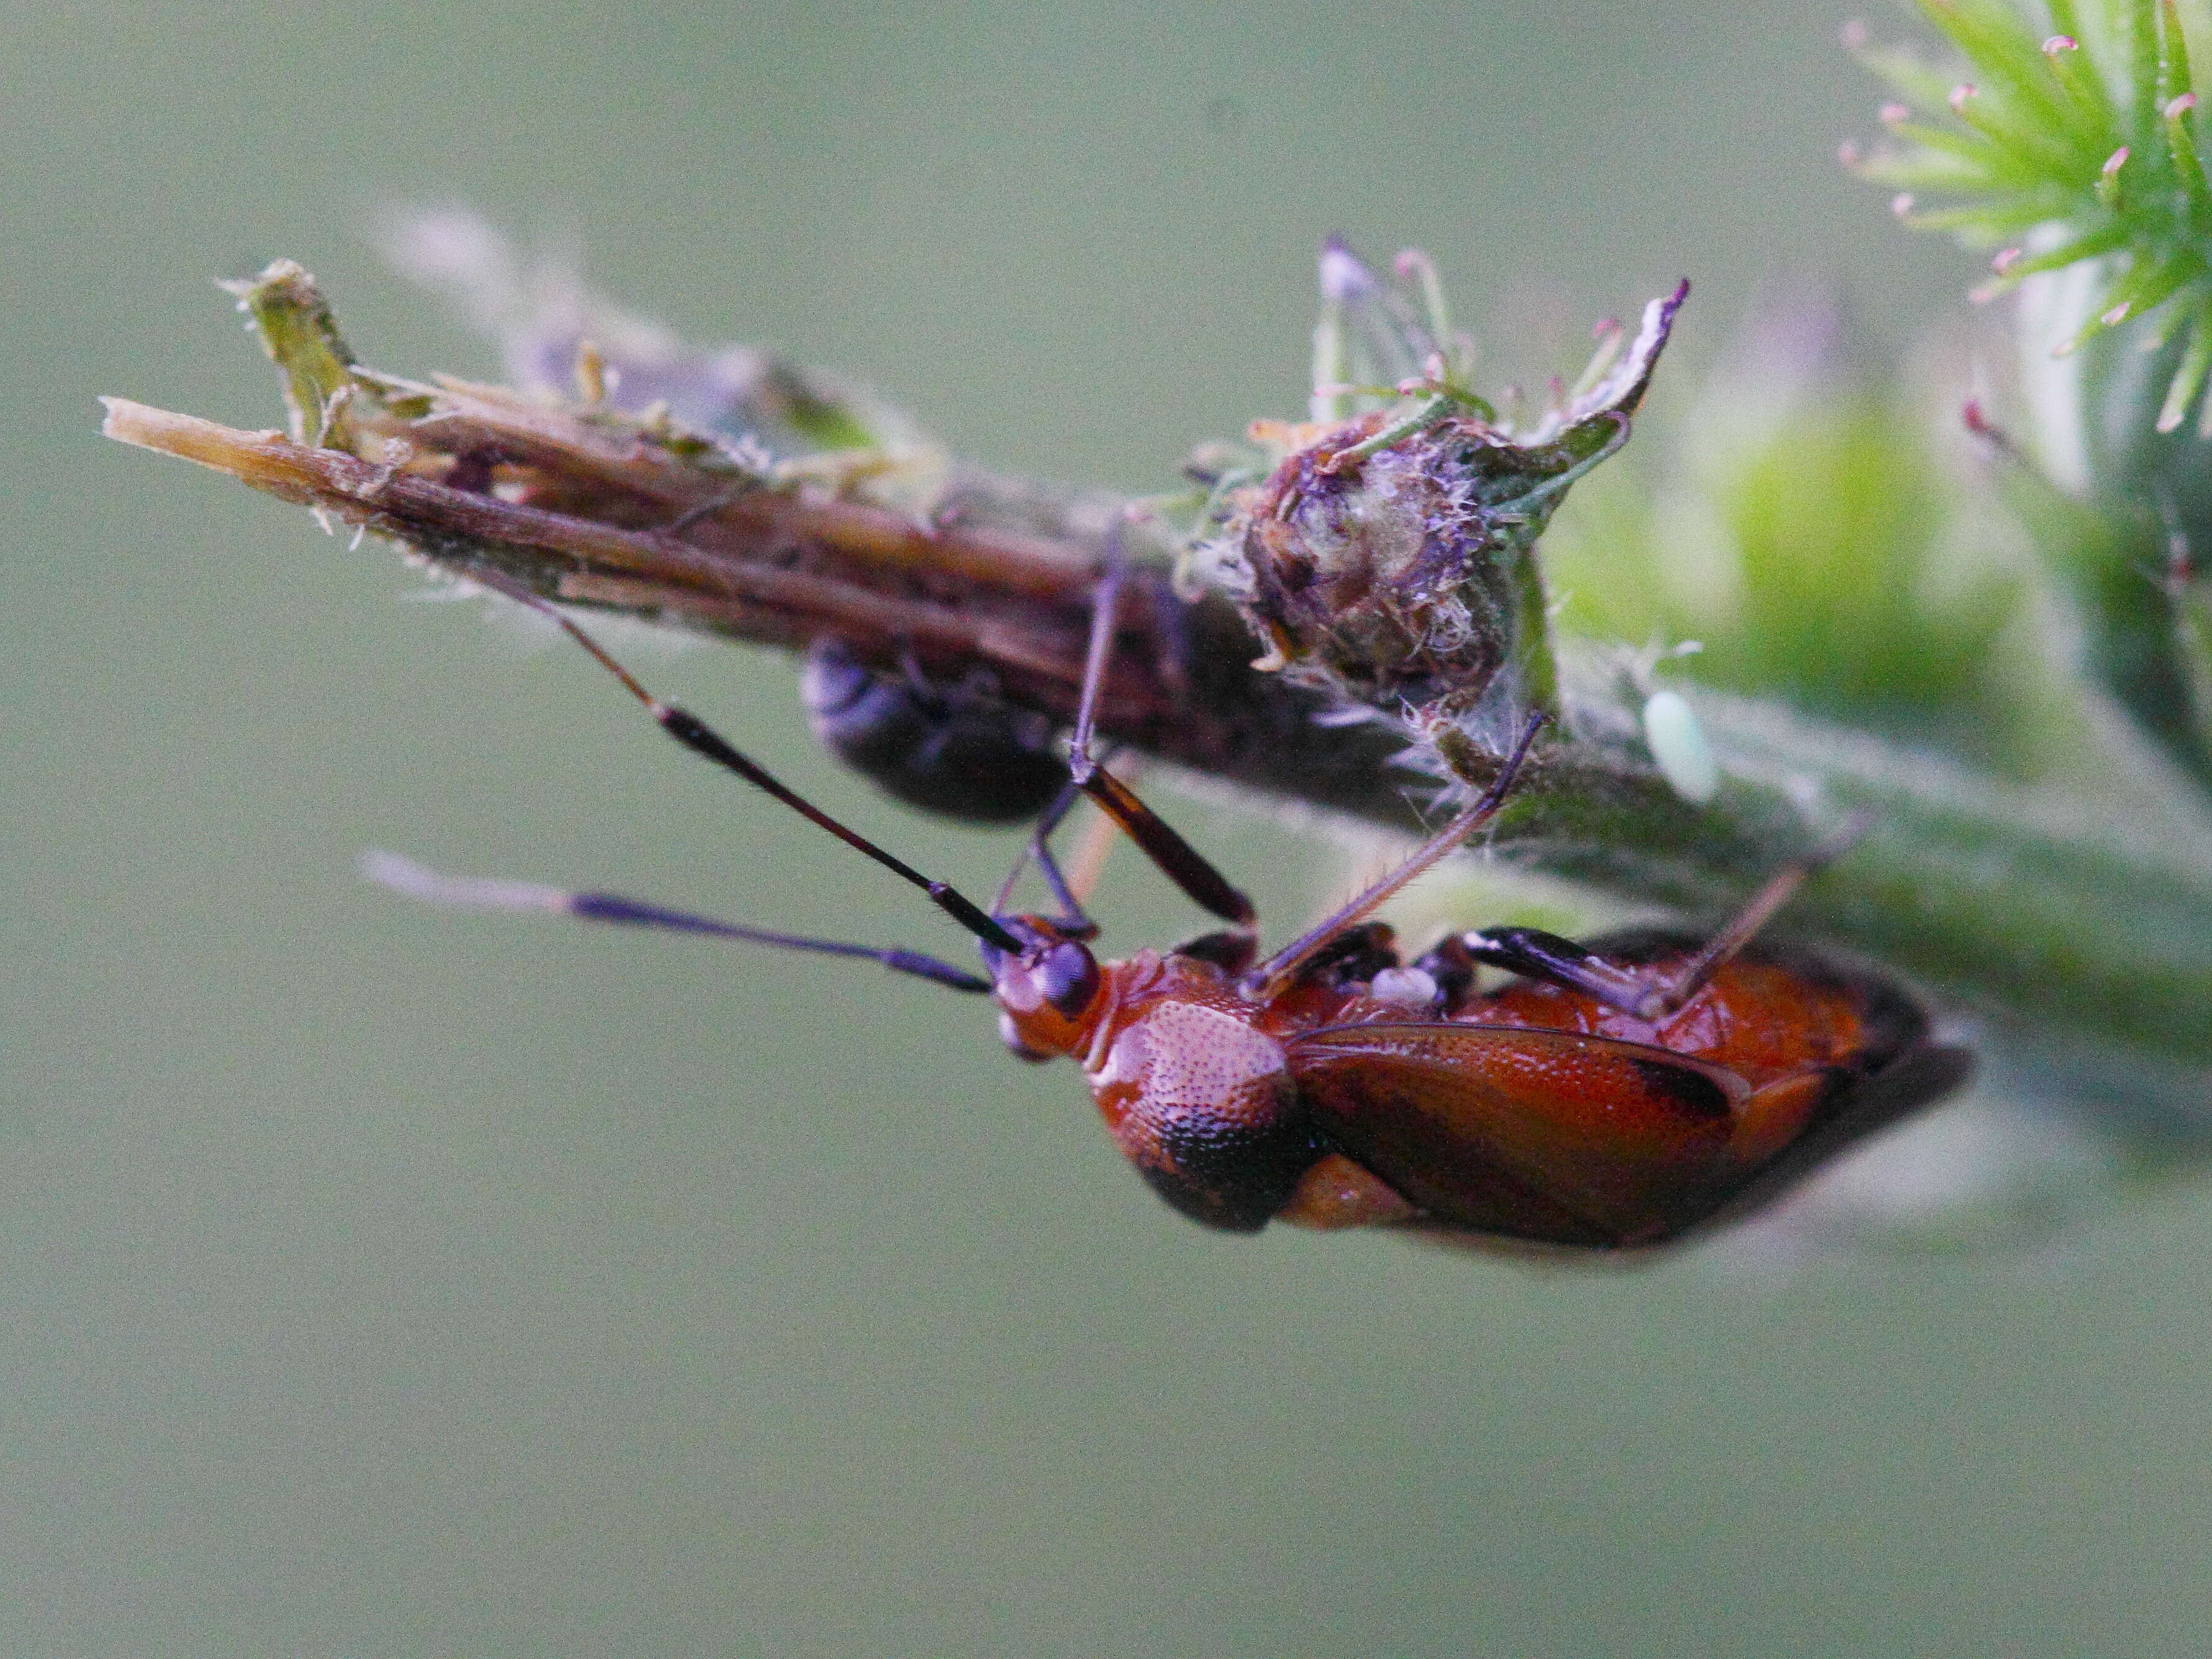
383 1281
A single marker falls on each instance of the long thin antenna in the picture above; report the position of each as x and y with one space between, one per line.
698 736
417 881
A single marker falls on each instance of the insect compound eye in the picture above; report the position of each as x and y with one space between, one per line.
1068 977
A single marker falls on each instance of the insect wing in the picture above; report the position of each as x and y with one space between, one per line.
1534 1134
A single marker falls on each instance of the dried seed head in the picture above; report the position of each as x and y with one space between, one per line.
1385 579
1387 558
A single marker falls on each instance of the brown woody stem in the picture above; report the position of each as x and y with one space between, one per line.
773 566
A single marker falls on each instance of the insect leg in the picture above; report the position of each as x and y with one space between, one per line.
1742 929
1177 859
1069 892
1535 954
1539 955
1270 975
1086 863
479 893
1039 848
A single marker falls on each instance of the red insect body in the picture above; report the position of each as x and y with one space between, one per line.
1534 1111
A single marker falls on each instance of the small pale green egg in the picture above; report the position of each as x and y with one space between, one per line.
1679 747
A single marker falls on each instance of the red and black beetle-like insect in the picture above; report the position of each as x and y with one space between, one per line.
1611 1095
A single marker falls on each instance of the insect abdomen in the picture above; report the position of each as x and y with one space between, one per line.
947 749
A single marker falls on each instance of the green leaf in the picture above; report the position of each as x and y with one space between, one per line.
2091 104
2189 378
2149 284
1913 81
2173 78
2188 166
2141 24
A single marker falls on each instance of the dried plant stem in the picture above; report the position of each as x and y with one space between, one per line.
775 567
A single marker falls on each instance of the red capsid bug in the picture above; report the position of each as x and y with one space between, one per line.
1609 1095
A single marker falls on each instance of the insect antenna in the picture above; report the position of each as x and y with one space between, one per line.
698 736
479 893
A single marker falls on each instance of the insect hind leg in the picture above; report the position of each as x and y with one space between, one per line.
1535 954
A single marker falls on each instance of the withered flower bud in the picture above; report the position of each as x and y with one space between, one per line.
1388 557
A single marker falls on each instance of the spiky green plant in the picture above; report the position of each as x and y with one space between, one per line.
2067 141
2080 146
